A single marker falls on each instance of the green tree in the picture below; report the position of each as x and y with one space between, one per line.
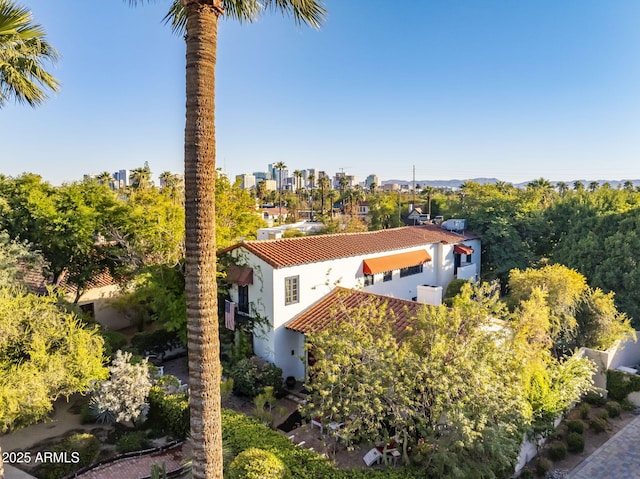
383 211
66 224
599 323
45 353
236 214
15 260
199 18
23 51
449 371
563 288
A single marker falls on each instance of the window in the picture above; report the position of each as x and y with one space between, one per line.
243 299
411 270
88 309
291 290
368 279
387 276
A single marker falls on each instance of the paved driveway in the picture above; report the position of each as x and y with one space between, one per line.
618 458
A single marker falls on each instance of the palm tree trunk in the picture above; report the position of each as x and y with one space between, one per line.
201 288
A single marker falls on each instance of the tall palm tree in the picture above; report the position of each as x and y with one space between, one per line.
324 183
280 166
23 49
199 20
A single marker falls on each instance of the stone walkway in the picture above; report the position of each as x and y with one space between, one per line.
137 467
618 458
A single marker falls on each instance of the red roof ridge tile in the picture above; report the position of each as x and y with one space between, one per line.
285 252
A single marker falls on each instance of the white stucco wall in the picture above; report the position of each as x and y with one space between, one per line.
104 314
285 348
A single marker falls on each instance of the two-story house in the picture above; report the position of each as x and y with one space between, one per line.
281 279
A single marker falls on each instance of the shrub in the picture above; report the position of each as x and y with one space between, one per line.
168 413
603 414
620 384
113 340
575 442
575 425
594 398
526 474
240 432
453 290
86 414
557 451
584 410
83 446
226 389
598 425
543 465
613 408
251 375
132 441
155 342
257 463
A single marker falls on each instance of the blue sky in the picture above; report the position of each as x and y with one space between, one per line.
510 89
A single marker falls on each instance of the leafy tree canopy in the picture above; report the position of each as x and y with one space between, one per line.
44 353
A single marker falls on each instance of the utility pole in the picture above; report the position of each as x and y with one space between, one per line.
413 186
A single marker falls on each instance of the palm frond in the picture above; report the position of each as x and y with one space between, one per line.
308 12
23 49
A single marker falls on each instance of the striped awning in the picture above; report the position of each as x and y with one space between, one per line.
395 261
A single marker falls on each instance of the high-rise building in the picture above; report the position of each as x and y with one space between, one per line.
247 181
121 178
372 180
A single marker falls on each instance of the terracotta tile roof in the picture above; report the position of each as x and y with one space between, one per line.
332 308
35 281
311 249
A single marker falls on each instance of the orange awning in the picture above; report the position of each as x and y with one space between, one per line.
240 275
462 249
395 261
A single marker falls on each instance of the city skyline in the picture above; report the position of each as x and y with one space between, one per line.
514 91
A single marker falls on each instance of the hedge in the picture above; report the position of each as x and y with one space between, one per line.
620 384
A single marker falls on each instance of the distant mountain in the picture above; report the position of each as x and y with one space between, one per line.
455 184
441 183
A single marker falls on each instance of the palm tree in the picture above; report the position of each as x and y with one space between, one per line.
199 19
23 49
104 178
578 185
324 185
562 188
280 166
428 192
140 177
593 186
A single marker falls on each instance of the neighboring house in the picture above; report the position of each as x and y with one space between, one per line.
281 279
93 301
416 217
363 209
272 215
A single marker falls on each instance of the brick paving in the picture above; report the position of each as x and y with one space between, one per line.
618 458
137 467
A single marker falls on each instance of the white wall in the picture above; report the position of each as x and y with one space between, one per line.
316 280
